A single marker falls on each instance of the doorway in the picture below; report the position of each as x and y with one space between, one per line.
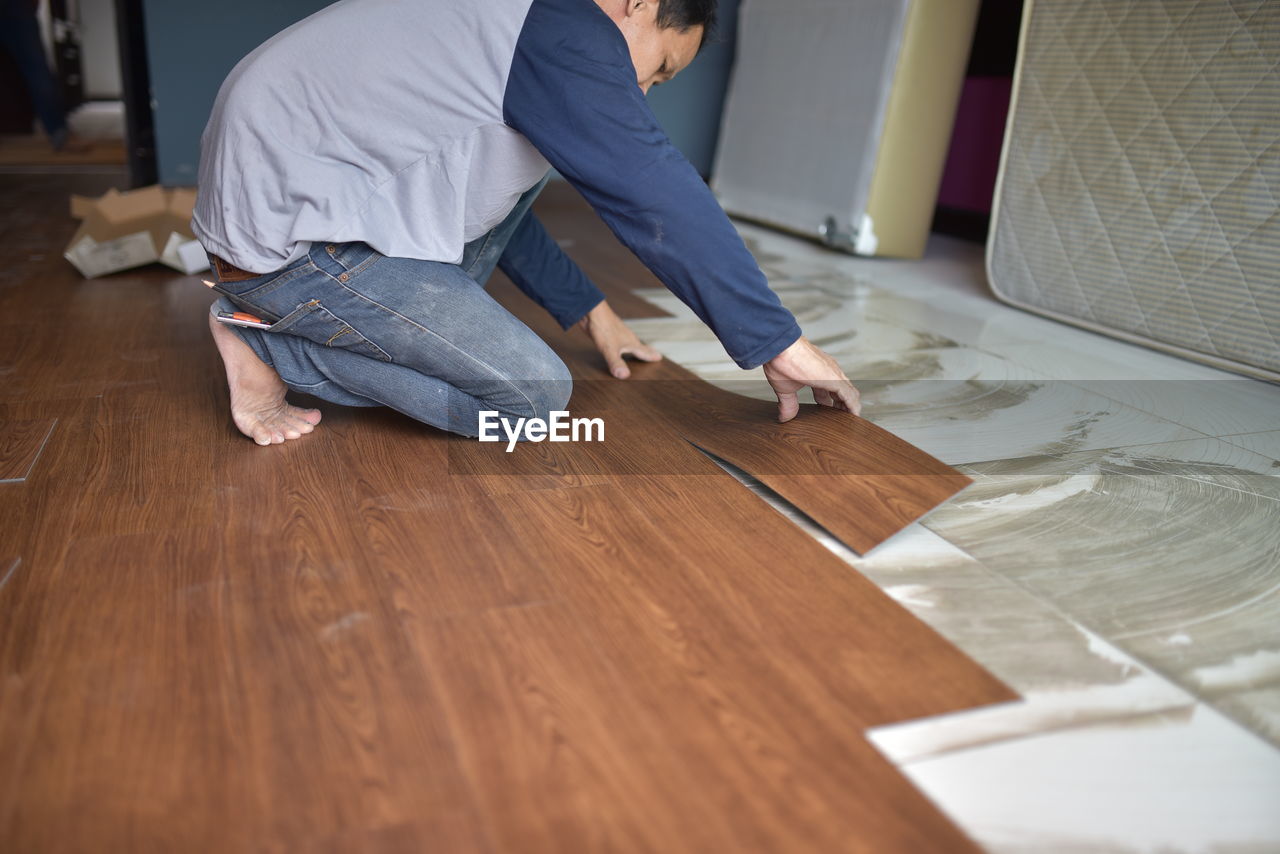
93 107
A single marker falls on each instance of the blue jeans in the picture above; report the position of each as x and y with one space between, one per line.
358 328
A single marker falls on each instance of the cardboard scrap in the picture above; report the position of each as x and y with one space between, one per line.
119 231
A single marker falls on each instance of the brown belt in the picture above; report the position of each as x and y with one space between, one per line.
229 272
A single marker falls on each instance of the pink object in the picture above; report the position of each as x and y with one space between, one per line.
969 178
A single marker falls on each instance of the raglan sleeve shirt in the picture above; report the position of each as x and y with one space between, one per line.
572 93
540 269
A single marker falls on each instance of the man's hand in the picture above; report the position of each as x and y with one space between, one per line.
614 340
803 364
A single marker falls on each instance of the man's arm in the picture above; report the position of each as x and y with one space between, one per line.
572 92
539 268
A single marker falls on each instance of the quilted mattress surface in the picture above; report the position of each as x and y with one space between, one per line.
1139 192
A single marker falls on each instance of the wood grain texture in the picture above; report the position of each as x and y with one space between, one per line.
36 150
8 567
381 638
20 446
735 680
857 480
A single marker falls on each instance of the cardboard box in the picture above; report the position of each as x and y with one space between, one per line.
119 231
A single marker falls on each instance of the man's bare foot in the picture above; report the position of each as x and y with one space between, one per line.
257 393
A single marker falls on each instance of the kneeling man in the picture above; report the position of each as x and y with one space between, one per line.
364 172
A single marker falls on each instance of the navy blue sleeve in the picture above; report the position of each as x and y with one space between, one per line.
539 267
572 93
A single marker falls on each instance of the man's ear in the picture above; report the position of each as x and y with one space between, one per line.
635 7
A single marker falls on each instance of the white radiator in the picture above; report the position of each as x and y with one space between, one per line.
839 117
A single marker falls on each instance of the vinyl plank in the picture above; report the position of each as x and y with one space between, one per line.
857 480
35 150
96 704
638 443
34 219
445 539
326 566
556 766
20 446
78 338
192 677
336 719
870 484
76 354
765 597
441 560
39 522
704 688
141 474
36 523
8 566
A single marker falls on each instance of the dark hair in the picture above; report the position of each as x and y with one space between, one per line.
684 15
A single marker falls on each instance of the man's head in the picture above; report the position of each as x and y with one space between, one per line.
664 35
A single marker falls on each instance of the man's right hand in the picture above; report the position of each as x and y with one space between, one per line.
802 364
614 339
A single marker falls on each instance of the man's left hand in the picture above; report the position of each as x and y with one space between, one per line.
615 340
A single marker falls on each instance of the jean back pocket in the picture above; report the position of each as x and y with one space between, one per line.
313 321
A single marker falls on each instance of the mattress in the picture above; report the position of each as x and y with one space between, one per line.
1139 190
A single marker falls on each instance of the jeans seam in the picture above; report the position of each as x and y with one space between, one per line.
494 371
267 287
362 266
345 328
488 238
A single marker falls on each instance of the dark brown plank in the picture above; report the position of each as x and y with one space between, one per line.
35 151
756 598
38 518
688 677
235 698
20 446
857 480
555 766
638 442
8 567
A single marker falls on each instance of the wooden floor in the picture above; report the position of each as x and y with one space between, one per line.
374 640
34 150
